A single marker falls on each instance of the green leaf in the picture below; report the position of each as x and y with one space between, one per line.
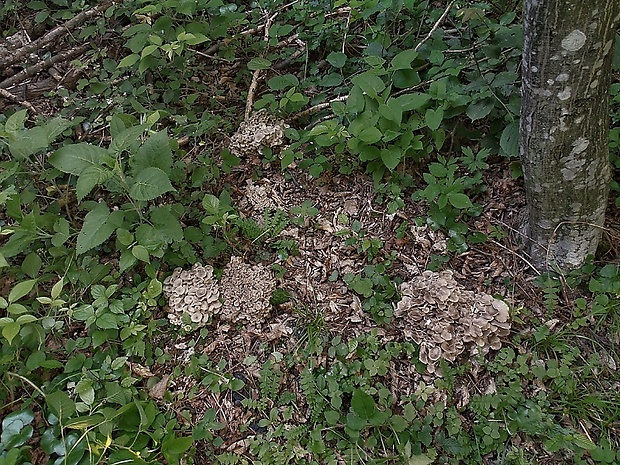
10 330
57 289
126 138
419 460
283 82
16 429
21 289
75 158
90 177
176 446
140 252
509 141
412 101
434 118
459 200
15 123
403 59
28 142
370 135
155 152
60 404
149 184
369 83
405 78
259 63
84 389
337 59
480 108
363 405
129 60
106 321
391 157
99 224
167 224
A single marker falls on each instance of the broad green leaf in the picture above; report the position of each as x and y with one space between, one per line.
83 423
336 59
61 227
405 78
57 288
60 404
363 405
480 108
84 389
140 252
259 63
89 178
10 330
99 224
56 126
15 123
21 289
29 142
167 224
32 264
148 50
283 82
176 445
129 60
149 184
403 59
106 321
419 460
126 138
391 157
370 135
460 201
413 101
155 152
16 429
75 158
509 141
434 118
369 83
3 262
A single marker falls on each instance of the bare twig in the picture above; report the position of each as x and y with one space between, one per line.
7 95
436 25
319 107
8 57
36 69
257 73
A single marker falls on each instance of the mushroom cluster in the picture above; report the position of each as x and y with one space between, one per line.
261 130
246 290
259 197
192 295
446 320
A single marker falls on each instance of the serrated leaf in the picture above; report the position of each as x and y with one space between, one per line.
75 158
167 224
89 178
149 184
60 404
21 289
155 152
509 141
125 139
106 321
259 63
99 224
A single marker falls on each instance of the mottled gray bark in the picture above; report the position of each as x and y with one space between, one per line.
564 127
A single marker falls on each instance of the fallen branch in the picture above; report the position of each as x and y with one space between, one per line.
9 96
36 69
436 25
257 73
10 57
317 108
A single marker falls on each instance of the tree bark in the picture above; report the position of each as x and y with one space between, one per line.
564 126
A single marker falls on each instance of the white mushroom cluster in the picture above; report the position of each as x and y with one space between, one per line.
261 130
259 197
246 290
192 295
446 320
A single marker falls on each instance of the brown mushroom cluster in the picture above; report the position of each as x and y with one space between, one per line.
259 197
246 290
447 320
192 295
261 130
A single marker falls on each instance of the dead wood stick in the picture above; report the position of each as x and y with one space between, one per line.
436 25
319 107
8 58
36 69
257 73
9 96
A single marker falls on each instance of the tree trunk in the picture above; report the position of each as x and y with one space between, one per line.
566 72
